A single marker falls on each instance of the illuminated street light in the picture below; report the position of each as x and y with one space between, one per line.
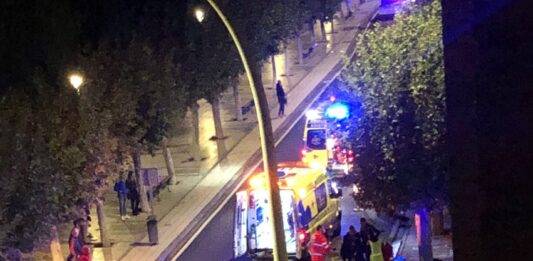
200 14
76 81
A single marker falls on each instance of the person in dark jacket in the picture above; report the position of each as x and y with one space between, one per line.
282 99
368 231
133 193
360 248
348 245
122 193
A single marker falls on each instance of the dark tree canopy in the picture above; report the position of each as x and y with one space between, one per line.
399 77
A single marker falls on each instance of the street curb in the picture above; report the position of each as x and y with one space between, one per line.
179 244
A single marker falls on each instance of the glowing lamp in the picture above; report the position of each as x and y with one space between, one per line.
302 193
316 165
312 114
337 111
257 182
76 81
290 182
200 15
302 234
330 143
332 98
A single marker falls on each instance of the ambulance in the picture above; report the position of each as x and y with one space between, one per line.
308 199
323 145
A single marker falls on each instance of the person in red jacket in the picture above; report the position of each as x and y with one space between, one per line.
85 255
387 251
319 245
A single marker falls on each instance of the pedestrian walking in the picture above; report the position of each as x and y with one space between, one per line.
348 245
319 245
122 193
133 193
75 245
282 98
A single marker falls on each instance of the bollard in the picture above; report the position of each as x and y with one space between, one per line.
152 230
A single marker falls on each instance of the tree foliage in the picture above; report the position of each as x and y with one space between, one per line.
59 148
134 92
42 163
262 25
398 75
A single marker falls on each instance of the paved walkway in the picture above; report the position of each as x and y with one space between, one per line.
442 247
205 185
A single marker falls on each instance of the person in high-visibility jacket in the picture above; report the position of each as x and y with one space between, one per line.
319 245
376 252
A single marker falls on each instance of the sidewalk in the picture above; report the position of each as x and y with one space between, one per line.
183 208
442 247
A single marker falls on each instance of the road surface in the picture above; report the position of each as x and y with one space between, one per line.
215 242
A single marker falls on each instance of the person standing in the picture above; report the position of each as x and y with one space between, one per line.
122 193
290 221
319 245
360 248
282 98
387 251
85 254
133 193
367 231
75 245
348 245
376 246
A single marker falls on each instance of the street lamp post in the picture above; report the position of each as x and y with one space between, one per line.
267 144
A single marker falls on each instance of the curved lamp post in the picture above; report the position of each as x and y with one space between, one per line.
267 143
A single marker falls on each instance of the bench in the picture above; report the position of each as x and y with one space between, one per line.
247 107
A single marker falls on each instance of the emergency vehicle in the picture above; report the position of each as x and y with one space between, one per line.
308 199
322 138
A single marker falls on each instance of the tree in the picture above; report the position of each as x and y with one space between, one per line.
42 151
151 96
43 157
324 10
138 95
398 75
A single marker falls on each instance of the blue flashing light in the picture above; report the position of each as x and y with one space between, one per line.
338 111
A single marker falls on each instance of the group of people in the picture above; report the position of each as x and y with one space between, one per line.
356 246
127 190
365 245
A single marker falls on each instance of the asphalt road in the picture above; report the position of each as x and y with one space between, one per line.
215 242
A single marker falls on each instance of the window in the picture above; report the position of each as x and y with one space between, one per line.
321 200
316 139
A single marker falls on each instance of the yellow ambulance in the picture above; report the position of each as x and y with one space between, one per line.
308 199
